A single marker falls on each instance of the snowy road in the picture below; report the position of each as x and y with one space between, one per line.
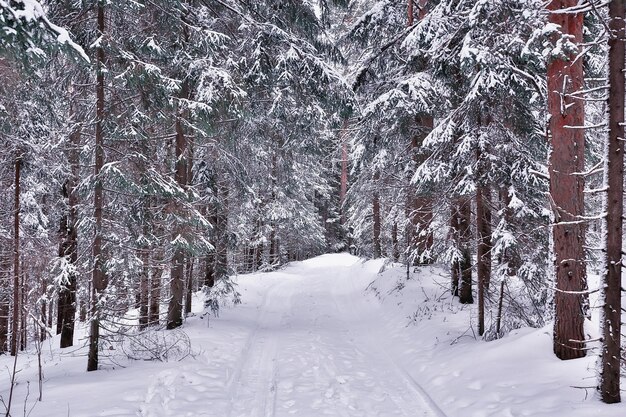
314 348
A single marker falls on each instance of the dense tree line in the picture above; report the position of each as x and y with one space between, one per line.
155 148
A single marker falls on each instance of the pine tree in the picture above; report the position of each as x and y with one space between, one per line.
565 80
609 384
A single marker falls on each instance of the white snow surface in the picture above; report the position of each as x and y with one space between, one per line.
325 337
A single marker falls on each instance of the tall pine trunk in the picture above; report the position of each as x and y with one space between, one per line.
23 303
99 280
609 386
455 267
15 320
177 274
189 285
68 247
483 249
565 77
144 286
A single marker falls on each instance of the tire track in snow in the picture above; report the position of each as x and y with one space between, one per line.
379 356
340 356
257 392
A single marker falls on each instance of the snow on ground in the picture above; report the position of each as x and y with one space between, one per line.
311 341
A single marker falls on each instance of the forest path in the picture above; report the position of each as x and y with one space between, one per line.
316 349
309 344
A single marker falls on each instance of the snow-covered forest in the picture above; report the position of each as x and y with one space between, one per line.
311 207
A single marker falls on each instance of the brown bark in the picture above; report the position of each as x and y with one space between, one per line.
500 302
483 249
177 271
189 286
16 259
422 9
460 222
99 280
609 386
455 268
565 77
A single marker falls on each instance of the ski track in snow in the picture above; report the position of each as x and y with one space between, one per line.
313 350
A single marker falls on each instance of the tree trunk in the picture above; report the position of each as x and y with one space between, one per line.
189 286
16 258
376 216
422 9
455 267
190 260
483 249
609 385
43 311
395 245
566 189
144 287
66 304
155 290
5 296
99 279
50 311
344 178
460 220
209 272
500 301
273 247
177 274
23 303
